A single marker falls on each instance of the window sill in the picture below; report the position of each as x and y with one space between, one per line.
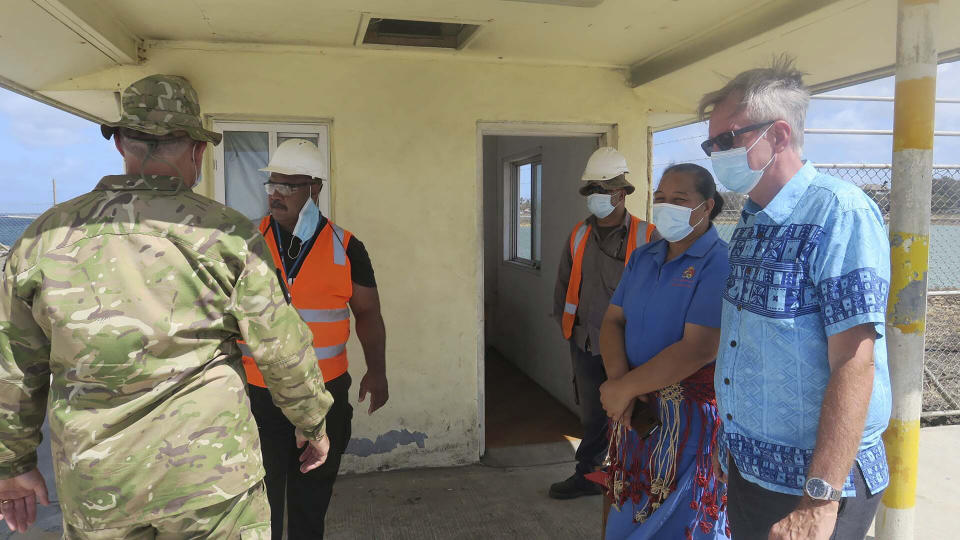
523 266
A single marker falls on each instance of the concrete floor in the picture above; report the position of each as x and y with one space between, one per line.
541 418
938 484
488 501
505 497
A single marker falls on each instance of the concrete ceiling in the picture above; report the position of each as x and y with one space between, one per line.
614 33
839 45
671 50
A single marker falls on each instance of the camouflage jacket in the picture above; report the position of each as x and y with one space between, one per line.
125 306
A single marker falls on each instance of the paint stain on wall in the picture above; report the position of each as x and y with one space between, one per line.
385 443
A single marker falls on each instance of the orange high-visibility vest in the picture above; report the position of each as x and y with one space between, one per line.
578 245
320 292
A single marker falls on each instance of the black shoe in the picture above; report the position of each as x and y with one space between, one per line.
573 487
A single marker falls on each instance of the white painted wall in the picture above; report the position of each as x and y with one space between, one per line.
523 329
492 232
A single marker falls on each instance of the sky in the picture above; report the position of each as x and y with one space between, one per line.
39 143
682 144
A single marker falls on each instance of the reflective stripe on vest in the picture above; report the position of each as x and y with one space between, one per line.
320 293
578 242
635 240
324 315
339 246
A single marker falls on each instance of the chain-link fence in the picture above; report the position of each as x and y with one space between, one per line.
941 391
11 227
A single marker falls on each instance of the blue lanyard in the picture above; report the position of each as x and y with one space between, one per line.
304 249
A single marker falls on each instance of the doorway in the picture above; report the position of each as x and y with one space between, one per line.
530 204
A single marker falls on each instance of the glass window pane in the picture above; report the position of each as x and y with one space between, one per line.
535 230
281 137
244 153
524 213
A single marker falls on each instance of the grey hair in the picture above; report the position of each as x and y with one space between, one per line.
771 93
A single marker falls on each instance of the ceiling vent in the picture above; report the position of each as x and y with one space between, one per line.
571 3
412 33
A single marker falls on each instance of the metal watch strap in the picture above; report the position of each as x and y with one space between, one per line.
832 494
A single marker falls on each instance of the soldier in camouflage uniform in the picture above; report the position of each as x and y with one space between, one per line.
121 311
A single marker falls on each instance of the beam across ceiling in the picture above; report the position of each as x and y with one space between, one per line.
95 26
724 34
571 3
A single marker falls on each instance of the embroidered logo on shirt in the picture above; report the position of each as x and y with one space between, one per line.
685 279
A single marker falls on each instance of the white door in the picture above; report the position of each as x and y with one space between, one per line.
247 148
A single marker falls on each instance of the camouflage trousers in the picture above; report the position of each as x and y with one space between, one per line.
244 517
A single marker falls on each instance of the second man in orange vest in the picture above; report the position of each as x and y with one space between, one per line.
328 274
593 260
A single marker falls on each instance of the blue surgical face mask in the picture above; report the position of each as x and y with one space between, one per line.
599 205
733 169
673 221
307 221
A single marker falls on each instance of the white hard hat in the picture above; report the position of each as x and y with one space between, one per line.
604 164
298 156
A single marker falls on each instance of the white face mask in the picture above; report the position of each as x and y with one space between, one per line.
733 169
196 165
673 221
599 205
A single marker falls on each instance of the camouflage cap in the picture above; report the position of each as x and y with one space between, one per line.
160 105
617 182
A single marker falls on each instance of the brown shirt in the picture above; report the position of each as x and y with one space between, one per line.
603 264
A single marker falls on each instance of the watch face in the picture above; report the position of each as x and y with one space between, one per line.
816 488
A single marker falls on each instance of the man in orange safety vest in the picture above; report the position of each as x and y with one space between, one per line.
592 262
327 273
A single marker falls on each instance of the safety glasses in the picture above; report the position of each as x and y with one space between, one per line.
594 189
284 189
724 141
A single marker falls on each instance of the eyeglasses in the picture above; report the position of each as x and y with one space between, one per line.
594 190
283 188
724 141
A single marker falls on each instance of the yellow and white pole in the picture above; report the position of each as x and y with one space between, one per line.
914 103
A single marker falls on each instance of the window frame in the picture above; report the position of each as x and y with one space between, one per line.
511 188
274 130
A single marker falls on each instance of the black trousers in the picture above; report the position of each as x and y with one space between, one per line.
589 375
307 496
753 510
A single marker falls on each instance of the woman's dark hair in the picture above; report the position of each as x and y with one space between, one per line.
702 181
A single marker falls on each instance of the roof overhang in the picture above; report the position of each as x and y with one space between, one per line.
47 45
840 44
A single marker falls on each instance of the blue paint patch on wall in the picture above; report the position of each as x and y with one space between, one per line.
385 443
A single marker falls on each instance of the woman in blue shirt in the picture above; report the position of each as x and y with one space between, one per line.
659 339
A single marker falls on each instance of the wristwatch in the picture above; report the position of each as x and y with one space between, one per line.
818 489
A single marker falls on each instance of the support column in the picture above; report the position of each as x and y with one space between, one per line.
914 103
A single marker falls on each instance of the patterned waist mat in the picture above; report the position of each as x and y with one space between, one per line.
698 387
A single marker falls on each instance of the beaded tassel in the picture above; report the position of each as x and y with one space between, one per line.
652 466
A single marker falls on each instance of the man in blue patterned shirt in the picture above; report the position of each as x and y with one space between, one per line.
801 380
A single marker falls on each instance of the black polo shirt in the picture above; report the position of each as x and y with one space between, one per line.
361 269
